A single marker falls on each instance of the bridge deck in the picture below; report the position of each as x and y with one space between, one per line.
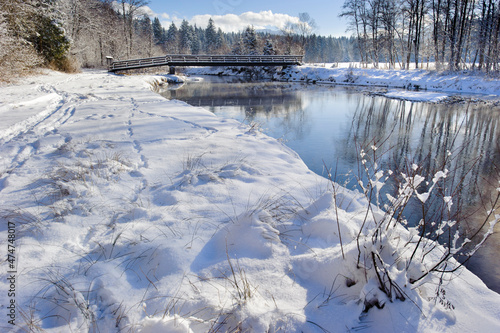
206 60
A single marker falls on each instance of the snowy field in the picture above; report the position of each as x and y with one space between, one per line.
123 211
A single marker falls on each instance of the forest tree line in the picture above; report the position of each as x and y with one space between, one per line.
67 34
455 34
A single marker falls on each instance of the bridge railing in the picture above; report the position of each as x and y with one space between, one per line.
234 58
216 60
146 62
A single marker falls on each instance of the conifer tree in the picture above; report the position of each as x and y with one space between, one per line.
195 43
220 40
238 48
269 48
185 37
250 41
210 37
158 32
172 39
49 40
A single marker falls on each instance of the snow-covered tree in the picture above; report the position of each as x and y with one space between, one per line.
221 43
171 39
238 47
269 48
31 34
195 44
144 29
210 37
305 27
185 37
94 29
250 41
158 32
15 55
49 40
5 39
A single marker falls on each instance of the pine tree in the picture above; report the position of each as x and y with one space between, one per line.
238 48
158 32
144 29
250 41
185 37
143 26
220 41
195 43
171 39
210 37
269 48
50 40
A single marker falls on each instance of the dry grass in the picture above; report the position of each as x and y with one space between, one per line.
67 65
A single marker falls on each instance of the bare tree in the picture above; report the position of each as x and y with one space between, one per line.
91 26
461 32
305 27
15 55
355 10
130 8
389 17
296 33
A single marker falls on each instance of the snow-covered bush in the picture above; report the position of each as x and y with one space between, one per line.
397 257
350 77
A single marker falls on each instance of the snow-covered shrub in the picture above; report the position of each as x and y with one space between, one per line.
350 77
397 257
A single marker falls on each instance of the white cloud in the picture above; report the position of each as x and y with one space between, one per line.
229 22
234 23
148 11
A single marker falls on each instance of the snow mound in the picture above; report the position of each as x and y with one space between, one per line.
417 96
175 324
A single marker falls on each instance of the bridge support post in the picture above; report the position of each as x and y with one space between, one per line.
171 70
109 61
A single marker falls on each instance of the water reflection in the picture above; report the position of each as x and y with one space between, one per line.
461 138
257 96
328 126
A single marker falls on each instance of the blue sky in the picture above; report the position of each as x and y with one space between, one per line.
235 15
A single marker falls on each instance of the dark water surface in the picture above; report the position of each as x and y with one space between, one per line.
330 126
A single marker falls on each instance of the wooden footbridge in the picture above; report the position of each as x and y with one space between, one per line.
184 60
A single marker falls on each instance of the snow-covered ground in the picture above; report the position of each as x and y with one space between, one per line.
123 211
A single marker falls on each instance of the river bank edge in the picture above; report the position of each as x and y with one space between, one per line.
477 87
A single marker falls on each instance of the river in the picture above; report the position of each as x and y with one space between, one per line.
330 127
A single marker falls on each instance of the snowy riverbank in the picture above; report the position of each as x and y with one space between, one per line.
134 213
